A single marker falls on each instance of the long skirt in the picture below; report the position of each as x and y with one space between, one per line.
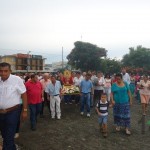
121 114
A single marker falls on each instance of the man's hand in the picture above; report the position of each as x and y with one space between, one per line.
24 115
42 99
99 114
113 102
61 94
48 98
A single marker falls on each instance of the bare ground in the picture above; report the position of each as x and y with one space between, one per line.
75 132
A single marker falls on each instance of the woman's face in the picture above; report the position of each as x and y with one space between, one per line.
118 79
99 75
107 76
145 78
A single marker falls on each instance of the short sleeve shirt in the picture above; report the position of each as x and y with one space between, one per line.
34 92
52 89
145 90
120 93
86 86
10 91
45 83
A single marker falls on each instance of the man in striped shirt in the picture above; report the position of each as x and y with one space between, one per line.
102 111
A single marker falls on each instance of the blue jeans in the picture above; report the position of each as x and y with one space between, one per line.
102 119
91 100
35 109
85 99
8 125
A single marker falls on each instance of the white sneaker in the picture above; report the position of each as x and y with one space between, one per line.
17 147
53 117
58 118
82 113
88 115
16 135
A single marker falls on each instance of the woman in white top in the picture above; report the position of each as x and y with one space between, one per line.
98 86
77 80
144 87
107 86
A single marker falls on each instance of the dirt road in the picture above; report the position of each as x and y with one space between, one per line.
75 132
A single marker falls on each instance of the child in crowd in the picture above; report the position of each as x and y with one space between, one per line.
102 111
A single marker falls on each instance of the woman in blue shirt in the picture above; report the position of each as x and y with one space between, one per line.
121 99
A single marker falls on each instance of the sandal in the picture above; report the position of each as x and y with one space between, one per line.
128 132
118 128
105 134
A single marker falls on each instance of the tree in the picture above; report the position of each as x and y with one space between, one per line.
137 58
110 66
86 56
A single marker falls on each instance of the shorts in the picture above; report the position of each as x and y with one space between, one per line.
102 119
144 98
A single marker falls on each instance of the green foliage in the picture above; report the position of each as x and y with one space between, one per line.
110 66
137 58
86 56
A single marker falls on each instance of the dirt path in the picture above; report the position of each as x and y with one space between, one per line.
75 132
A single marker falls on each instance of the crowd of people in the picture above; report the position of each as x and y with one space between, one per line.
22 92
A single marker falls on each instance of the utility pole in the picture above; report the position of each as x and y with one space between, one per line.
62 58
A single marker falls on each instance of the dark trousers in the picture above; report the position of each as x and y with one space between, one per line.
18 124
47 102
8 125
77 99
34 111
67 99
97 95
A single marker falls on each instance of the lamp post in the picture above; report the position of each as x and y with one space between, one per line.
28 61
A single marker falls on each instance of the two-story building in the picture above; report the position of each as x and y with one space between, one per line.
24 62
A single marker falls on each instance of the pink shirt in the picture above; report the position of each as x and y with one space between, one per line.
34 92
45 83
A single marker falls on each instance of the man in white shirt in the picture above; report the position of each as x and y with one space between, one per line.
12 89
125 76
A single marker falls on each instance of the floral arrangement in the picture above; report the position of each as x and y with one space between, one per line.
70 89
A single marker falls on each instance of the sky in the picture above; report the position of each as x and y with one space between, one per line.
45 26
